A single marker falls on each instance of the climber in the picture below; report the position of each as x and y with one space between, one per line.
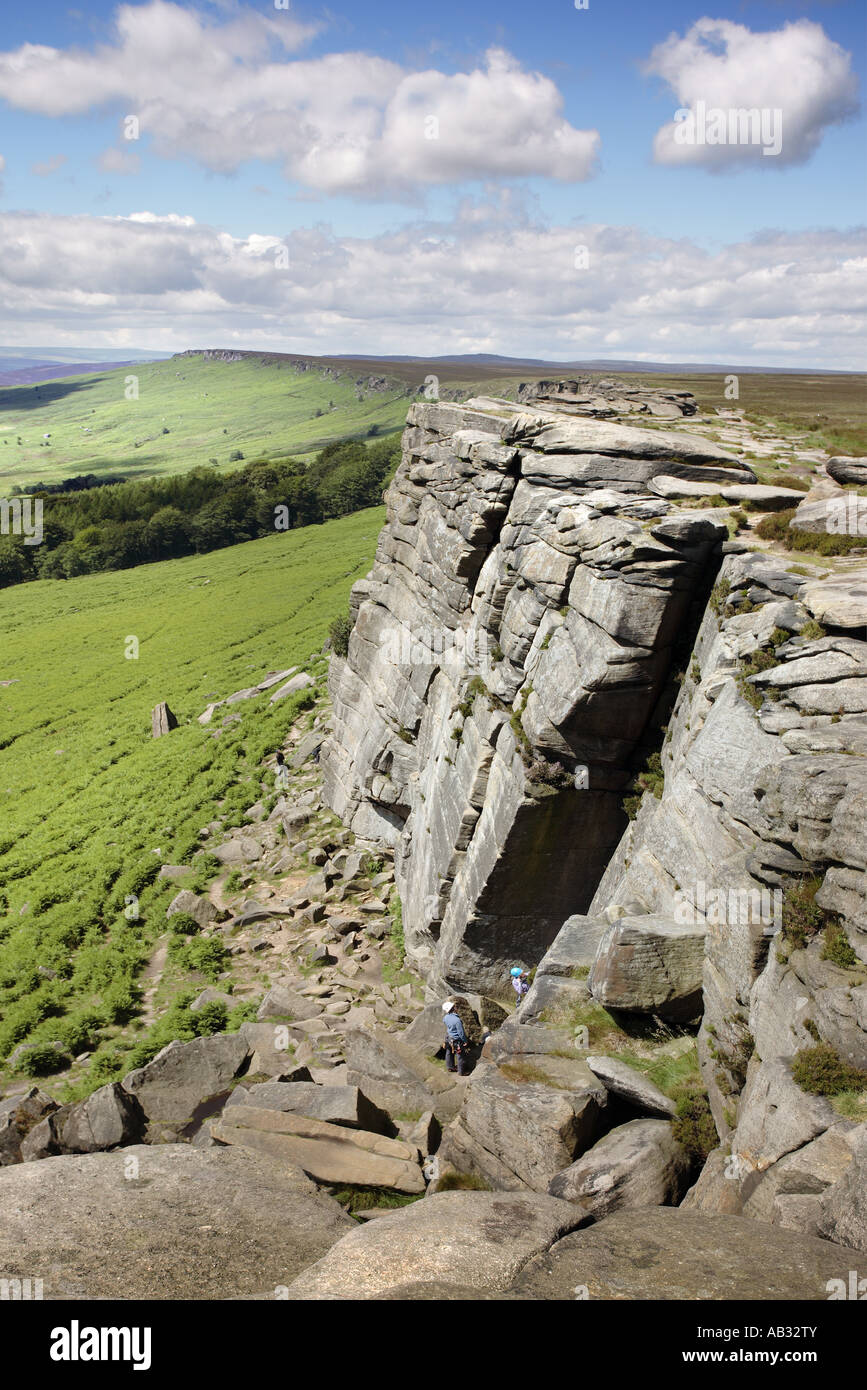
456 1038
520 983
281 775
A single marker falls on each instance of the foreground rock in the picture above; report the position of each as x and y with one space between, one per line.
664 1253
170 1222
473 1240
639 1164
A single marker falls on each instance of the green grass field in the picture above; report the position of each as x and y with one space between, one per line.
91 803
209 409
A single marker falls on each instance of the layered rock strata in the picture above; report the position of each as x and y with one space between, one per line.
509 650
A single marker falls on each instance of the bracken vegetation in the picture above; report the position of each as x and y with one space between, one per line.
83 834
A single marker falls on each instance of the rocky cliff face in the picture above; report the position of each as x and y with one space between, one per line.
510 650
510 667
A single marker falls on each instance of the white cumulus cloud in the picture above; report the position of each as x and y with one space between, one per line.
226 92
514 286
722 66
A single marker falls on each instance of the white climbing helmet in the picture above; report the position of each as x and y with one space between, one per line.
448 1005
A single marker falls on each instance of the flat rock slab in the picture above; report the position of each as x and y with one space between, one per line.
841 602
340 1105
329 1153
191 1224
477 1240
665 1253
623 1080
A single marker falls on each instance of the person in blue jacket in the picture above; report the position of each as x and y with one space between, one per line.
456 1038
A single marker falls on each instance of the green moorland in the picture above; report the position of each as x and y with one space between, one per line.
830 410
92 805
189 411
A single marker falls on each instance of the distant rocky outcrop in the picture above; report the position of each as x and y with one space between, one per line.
600 398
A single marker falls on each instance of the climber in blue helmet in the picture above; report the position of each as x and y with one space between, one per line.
520 983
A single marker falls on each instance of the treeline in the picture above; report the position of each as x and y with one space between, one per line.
87 529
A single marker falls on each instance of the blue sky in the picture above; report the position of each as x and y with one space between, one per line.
553 130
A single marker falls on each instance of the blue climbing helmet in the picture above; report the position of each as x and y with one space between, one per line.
516 970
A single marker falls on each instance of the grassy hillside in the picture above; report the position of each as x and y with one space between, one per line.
189 411
92 805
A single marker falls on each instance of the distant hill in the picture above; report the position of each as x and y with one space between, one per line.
48 356
595 364
36 372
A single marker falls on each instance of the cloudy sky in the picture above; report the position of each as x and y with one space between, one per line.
540 180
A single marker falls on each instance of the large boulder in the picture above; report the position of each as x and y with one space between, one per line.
650 964
395 1077
183 1076
639 1164
530 1128
201 909
846 469
470 1240
170 1221
329 1153
668 1254
427 1031
109 1117
19 1114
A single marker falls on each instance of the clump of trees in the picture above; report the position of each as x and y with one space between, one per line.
90 526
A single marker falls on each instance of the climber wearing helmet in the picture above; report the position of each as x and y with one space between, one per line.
520 983
456 1038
